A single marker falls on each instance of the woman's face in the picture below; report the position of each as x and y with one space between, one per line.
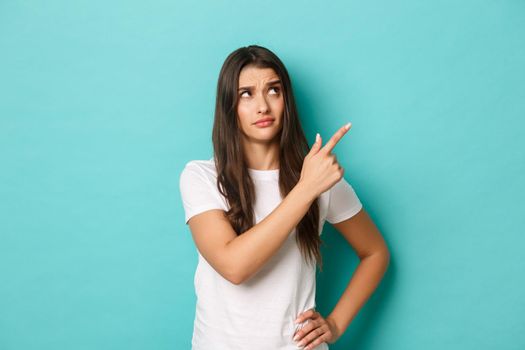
260 97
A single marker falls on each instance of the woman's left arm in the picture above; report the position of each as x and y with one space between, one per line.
369 245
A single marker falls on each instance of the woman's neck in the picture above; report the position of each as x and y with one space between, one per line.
262 156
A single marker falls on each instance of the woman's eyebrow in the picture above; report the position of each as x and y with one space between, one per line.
273 82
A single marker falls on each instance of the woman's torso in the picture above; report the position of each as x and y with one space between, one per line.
258 314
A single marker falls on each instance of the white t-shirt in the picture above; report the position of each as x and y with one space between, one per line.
259 313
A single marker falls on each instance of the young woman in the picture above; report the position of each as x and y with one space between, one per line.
256 211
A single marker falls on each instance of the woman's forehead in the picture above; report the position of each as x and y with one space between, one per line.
250 75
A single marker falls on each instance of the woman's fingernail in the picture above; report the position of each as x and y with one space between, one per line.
317 137
347 126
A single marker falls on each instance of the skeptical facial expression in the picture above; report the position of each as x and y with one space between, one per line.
261 104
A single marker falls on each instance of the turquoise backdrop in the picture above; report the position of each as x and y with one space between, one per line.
102 104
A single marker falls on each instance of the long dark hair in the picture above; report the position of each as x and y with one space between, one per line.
233 178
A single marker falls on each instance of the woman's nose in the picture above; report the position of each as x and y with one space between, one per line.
262 105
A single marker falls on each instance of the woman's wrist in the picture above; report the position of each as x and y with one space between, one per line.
337 328
306 191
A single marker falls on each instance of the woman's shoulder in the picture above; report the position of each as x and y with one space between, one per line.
201 166
201 163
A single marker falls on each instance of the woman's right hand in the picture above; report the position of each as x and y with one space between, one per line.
320 168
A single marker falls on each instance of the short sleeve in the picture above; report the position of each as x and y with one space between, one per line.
343 202
198 191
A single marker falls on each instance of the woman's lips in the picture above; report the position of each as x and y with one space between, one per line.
264 124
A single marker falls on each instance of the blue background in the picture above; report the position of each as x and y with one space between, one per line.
102 103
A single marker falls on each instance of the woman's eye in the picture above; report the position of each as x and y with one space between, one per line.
276 89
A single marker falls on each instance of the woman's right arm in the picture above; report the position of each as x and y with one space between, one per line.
237 258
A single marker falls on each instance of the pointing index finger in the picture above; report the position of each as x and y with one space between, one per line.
329 146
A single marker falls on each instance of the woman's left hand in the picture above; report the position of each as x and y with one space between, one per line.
316 331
